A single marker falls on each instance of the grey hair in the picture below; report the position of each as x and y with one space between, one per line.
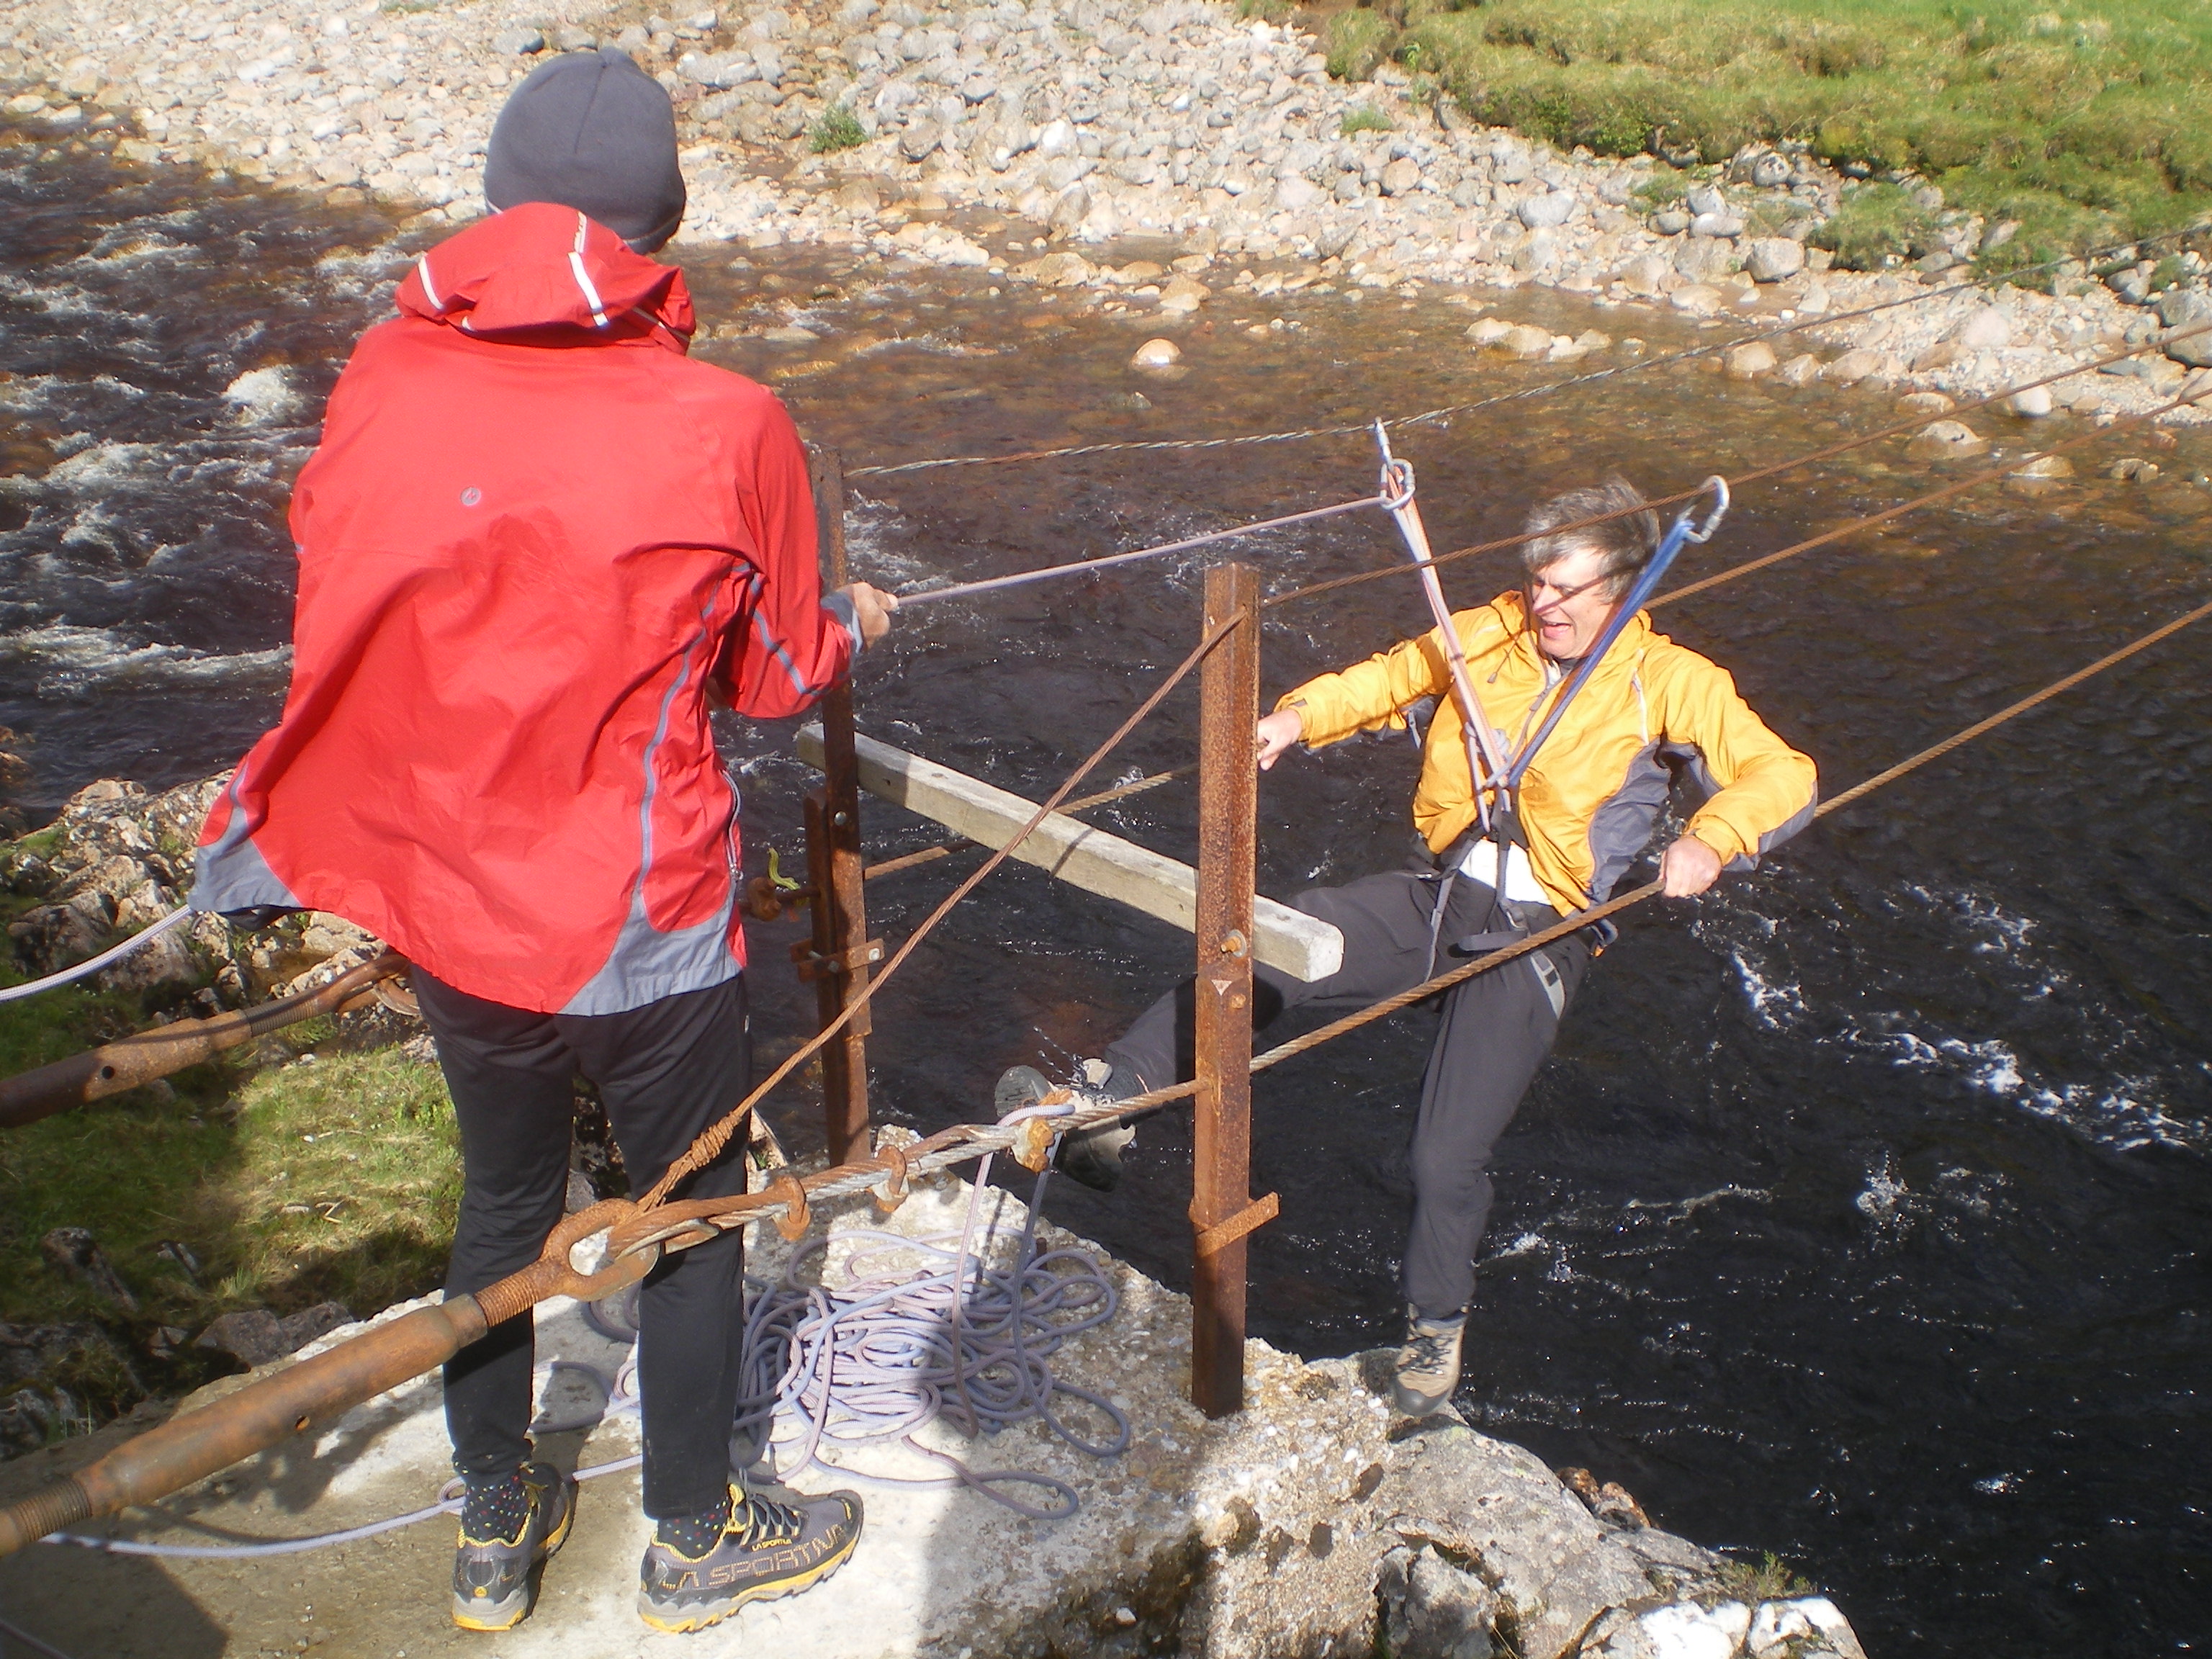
1625 544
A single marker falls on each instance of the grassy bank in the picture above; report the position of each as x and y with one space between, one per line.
329 1179
2088 125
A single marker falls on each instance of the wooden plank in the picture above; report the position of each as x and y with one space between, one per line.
1094 859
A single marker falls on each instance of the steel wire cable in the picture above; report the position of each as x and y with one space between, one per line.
964 1141
1524 393
711 1142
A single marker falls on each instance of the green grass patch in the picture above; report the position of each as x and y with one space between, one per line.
1875 224
2088 126
1356 41
837 128
336 1180
1363 118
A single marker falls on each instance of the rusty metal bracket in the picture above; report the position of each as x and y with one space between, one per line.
797 1218
1211 1241
814 964
1032 1145
892 1191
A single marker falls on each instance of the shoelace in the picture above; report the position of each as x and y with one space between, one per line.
1427 1350
764 1520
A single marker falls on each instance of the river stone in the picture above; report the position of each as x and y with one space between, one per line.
1647 274
518 43
569 38
1801 370
1704 198
1184 294
1716 224
1059 270
1982 330
1544 212
2045 466
1525 341
1070 210
1945 441
2188 309
1852 366
920 141
2133 468
1488 331
1750 360
858 196
1770 171
1401 176
1925 402
1296 193
2030 403
1157 353
1670 221
1771 259
1697 299
1540 252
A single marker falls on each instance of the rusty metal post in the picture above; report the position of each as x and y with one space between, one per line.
840 950
1221 1208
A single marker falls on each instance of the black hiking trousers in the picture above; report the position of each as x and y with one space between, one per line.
665 1071
1497 1028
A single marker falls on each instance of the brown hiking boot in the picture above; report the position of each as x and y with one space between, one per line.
1428 1365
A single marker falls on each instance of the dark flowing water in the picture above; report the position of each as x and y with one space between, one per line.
1861 1215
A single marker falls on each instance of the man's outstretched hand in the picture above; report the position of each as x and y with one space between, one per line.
1278 733
1687 867
872 608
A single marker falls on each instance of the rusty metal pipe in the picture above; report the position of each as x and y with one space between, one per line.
142 1058
312 1395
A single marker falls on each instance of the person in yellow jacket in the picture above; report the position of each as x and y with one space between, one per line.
1651 712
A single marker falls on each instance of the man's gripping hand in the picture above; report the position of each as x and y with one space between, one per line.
872 608
1687 867
1277 734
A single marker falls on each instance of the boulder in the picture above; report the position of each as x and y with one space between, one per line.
2187 313
1984 329
2030 403
1925 402
1400 176
1945 441
1852 366
2045 466
1547 211
1750 360
1489 331
1157 353
1057 270
1697 299
1184 294
1725 225
1525 341
1647 275
1771 258
1801 370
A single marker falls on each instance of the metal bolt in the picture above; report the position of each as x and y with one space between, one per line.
840 819
1232 944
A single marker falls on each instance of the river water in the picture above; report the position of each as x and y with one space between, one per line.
1861 1217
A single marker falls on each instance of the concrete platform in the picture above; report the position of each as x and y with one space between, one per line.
1290 1529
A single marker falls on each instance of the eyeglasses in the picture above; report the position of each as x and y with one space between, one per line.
1559 595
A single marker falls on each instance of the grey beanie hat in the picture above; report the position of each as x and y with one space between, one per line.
593 131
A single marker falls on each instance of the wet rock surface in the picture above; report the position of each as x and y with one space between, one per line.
904 128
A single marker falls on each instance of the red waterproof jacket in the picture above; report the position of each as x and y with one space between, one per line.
534 536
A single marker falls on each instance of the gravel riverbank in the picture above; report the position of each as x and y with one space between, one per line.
1154 155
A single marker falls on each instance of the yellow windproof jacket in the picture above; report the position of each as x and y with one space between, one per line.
1592 794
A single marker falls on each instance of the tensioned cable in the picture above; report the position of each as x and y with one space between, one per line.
925 595
964 1141
1157 445
709 1145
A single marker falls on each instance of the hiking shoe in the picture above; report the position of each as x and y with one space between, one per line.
1092 1156
1428 1365
764 1549
492 1575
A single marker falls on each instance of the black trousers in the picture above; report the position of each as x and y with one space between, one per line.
1496 1029
665 1071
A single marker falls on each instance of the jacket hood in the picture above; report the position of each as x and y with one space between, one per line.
550 275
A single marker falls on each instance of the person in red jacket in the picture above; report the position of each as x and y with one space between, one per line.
537 543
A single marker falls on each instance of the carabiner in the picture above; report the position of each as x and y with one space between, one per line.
1718 485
